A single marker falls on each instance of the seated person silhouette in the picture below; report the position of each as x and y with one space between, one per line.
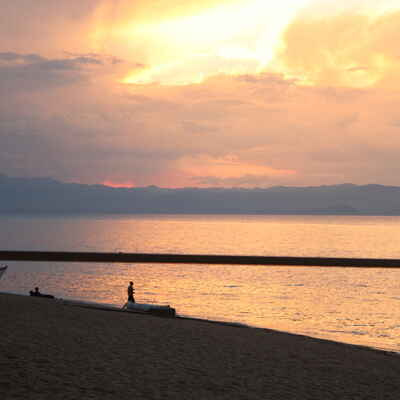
35 293
38 294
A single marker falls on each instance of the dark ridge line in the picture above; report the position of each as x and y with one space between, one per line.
62 256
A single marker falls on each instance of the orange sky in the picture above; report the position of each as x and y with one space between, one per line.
218 93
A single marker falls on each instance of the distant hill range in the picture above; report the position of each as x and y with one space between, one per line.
42 195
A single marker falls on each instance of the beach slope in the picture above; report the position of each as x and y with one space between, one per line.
51 350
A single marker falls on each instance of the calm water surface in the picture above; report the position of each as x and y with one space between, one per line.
360 306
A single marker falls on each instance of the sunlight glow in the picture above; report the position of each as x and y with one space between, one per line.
228 167
126 185
244 33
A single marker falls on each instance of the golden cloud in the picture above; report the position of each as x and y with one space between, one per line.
343 50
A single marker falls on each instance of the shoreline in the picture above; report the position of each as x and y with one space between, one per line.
55 350
114 308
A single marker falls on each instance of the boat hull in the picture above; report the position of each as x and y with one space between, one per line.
151 309
2 270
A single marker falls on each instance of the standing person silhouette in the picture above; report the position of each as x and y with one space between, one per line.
131 292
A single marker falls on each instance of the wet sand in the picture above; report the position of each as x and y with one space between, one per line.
51 350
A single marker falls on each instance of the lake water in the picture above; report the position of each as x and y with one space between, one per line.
360 306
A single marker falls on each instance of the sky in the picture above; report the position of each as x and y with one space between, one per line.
217 93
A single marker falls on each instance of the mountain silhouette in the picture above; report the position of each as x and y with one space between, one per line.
46 195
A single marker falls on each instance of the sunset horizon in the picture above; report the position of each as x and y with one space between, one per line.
226 93
200 199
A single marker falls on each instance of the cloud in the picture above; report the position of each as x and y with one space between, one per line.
44 26
65 111
27 72
236 131
350 50
246 180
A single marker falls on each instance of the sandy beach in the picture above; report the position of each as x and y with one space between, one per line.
51 350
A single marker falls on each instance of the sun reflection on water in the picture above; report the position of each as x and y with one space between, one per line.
351 305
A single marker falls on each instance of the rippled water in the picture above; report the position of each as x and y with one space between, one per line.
359 306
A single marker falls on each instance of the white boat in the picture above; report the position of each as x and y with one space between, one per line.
151 308
2 270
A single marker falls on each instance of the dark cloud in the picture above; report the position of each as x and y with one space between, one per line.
96 58
26 72
73 62
25 58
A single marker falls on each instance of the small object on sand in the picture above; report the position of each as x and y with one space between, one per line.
153 309
36 293
3 269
